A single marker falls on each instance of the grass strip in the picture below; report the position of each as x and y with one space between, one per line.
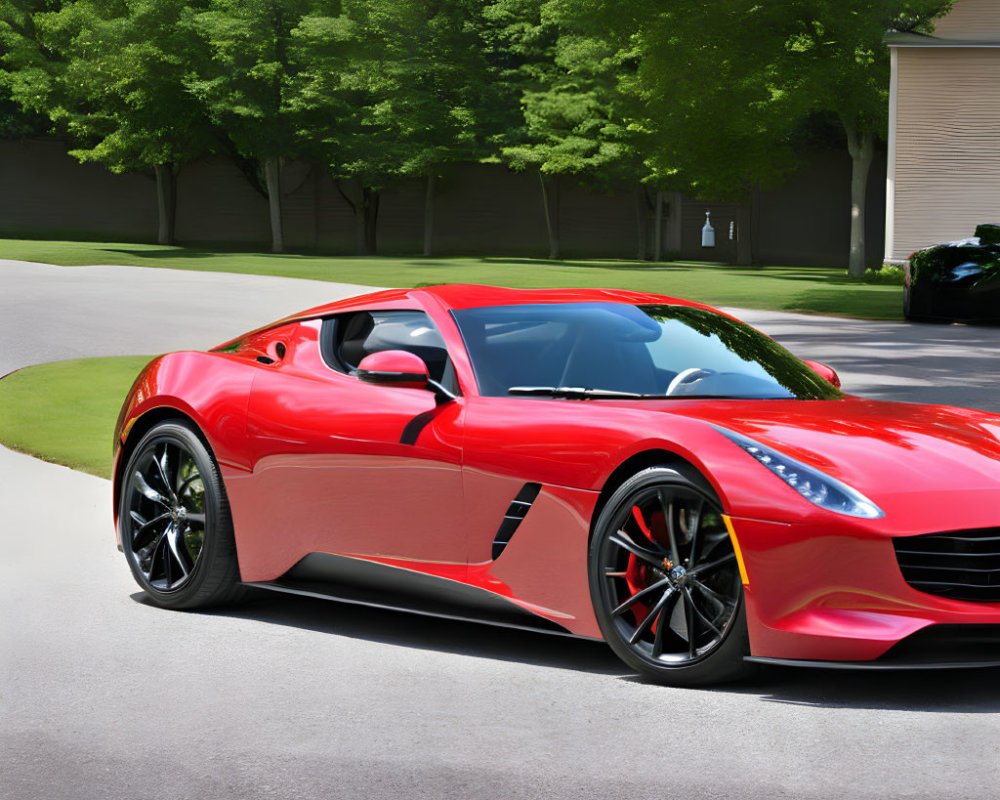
65 412
809 290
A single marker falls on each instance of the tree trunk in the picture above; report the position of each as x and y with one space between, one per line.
674 228
429 214
862 150
272 176
641 222
166 203
317 186
359 217
369 207
658 229
550 199
365 210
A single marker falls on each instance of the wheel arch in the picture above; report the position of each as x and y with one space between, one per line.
637 462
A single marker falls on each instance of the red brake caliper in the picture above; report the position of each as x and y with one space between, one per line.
635 572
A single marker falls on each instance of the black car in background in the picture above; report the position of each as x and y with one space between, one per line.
956 281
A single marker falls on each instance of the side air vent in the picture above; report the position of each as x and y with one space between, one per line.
515 513
961 565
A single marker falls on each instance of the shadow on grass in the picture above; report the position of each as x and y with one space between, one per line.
167 252
193 252
611 264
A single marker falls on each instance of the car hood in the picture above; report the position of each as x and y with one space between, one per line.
879 448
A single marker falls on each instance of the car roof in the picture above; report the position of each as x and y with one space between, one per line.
459 296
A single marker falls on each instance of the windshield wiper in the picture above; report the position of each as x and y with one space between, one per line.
572 392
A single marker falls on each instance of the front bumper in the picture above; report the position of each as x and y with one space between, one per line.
823 595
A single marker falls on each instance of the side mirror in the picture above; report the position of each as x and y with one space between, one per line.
394 368
825 372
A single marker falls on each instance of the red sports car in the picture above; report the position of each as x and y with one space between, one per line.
597 463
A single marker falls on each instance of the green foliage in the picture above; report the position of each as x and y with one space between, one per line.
723 88
396 88
568 84
110 74
886 275
245 75
16 122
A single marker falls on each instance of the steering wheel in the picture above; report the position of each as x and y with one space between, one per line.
687 377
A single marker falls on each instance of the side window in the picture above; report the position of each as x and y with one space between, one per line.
351 337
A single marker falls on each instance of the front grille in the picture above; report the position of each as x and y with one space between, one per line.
961 565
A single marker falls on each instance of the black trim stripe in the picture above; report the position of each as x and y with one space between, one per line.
413 428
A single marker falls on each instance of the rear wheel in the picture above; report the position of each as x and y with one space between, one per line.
665 582
174 521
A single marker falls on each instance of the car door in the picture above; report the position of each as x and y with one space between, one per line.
351 468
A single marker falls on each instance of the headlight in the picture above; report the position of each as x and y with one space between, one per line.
813 485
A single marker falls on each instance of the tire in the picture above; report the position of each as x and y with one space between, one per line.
909 316
174 521
661 564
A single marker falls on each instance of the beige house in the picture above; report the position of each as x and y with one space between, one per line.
944 130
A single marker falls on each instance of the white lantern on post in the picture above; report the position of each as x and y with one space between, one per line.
708 232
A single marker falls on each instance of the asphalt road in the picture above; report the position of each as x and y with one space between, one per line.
103 696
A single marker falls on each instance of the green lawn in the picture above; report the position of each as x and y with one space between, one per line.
809 290
65 411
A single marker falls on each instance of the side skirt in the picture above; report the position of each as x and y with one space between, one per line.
365 583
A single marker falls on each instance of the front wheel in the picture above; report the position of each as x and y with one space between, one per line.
174 521
665 582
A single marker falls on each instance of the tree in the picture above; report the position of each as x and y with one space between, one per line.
567 82
328 93
396 89
435 98
836 62
246 83
727 84
110 74
31 70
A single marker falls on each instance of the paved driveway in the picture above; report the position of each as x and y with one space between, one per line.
103 696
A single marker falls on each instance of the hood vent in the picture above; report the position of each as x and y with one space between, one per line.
516 512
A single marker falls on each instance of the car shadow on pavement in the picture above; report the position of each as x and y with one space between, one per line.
964 691
973 691
402 629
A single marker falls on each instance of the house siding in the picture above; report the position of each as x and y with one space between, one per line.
947 149
970 19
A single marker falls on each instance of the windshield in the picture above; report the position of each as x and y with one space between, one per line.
649 351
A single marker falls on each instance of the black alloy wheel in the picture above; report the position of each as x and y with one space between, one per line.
174 521
665 582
